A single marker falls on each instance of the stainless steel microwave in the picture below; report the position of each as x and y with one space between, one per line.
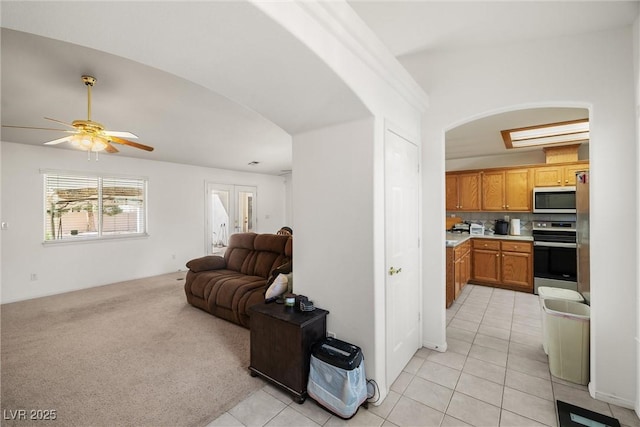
554 199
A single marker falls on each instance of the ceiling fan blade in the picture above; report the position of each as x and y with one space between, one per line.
58 141
130 143
110 148
36 128
120 134
60 121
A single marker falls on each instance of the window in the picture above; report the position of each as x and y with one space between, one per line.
81 207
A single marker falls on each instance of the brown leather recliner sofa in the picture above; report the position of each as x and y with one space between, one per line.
227 286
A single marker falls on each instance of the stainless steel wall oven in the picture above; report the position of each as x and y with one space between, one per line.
554 254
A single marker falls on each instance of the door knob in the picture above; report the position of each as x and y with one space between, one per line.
393 271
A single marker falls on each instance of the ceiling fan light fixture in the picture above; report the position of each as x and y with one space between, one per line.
88 142
89 135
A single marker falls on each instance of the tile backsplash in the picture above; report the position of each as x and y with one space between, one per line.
526 219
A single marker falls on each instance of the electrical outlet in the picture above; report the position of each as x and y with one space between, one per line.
506 217
331 334
173 256
34 277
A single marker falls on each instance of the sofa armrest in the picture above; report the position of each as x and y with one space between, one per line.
209 262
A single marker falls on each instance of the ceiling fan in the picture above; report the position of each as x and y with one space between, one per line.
89 135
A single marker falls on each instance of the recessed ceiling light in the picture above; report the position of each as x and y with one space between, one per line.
548 134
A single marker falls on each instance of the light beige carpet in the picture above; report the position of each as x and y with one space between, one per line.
128 354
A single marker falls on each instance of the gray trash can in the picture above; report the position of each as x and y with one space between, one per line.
567 325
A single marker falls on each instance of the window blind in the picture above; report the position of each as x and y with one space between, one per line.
93 207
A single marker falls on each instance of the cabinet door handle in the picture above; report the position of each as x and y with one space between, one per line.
507 206
566 181
497 254
558 181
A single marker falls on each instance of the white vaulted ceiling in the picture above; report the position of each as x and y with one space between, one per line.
214 84
220 84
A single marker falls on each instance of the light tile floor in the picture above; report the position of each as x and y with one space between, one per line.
494 373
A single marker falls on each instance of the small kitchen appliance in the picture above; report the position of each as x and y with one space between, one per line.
476 230
461 227
554 200
501 227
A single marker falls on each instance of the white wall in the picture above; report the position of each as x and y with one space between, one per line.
176 221
593 71
334 251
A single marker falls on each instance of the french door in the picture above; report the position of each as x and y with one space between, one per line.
230 209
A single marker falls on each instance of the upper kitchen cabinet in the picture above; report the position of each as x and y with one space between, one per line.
557 175
463 191
506 190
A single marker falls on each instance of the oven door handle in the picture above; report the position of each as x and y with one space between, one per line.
556 244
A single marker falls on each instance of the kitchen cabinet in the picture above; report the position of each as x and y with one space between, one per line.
503 263
463 191
506 190
486 261
458 270
557 175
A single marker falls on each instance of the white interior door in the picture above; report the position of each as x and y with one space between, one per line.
403 295
230 209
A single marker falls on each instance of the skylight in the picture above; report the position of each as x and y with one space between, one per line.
548 134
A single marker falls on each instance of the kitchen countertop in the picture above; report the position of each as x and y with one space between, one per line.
454 239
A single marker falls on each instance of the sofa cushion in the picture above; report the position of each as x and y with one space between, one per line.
210 262
270 243
256 254
201 283
226 293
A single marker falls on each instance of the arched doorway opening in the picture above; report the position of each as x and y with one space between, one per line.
474 153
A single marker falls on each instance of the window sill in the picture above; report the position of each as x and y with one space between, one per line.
81 239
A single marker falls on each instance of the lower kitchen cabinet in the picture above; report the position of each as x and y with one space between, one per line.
503 263
458 270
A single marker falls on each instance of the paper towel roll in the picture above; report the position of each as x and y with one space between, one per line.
515 227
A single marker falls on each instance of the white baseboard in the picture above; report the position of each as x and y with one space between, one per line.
437 347
609 398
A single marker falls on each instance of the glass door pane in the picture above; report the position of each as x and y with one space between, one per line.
220 217
230 209
246 212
